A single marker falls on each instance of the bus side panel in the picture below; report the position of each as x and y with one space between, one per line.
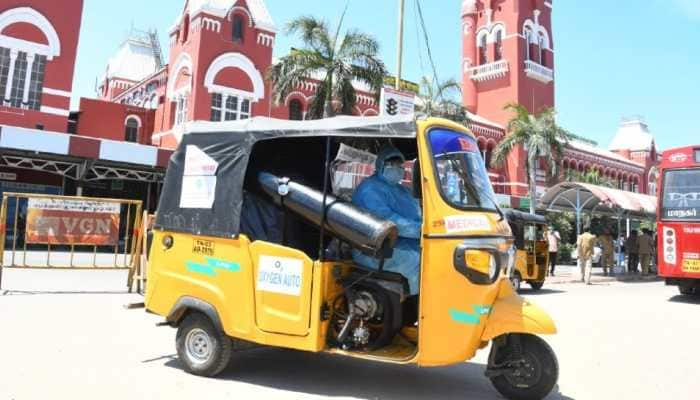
214 270
684 259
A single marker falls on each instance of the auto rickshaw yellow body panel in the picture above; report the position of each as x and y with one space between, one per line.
456 316
226 274
453 311
513 314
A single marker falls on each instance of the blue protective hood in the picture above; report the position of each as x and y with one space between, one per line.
386 153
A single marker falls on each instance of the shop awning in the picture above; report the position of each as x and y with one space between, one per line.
598 200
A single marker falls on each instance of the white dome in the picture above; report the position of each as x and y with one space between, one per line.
468 7
134 61
633 135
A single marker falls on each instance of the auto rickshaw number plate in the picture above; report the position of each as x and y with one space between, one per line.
203 247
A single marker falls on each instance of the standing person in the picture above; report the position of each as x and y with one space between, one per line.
608 246
553 239
632 248
646 247
584 247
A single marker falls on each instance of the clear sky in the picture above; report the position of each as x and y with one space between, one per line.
613 58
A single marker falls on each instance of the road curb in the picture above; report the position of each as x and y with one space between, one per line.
606 279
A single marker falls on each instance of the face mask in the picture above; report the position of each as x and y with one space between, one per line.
393 174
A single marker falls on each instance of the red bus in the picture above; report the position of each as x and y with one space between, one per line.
679 219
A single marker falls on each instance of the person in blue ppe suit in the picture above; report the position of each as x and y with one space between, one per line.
382 195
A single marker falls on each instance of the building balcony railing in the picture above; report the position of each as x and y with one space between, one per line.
489 71
538 72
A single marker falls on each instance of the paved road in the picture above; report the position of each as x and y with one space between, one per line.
617 341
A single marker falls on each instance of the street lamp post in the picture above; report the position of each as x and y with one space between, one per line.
400 45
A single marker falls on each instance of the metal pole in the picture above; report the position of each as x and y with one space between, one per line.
324 213
578 212
400 45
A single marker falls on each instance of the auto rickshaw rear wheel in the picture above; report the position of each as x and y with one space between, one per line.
201 347
524 368
536 285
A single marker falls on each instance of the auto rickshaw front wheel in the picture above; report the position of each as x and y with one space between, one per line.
516 280
522 367
201 347
536 285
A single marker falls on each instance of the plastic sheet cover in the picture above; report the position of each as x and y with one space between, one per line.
210 201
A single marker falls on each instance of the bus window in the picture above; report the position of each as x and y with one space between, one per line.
681 195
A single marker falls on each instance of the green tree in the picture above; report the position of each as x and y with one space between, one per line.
540 136
441 99
337 61
592 176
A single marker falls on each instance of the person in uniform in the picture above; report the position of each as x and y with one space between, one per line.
646 248
632 249
608 246
584 247
383 195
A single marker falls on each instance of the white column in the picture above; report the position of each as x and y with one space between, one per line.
28 77
11 75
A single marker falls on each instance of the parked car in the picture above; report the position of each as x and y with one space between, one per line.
597 255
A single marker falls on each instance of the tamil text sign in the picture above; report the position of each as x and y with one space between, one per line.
63 221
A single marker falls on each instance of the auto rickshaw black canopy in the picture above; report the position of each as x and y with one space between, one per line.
519 217
219 159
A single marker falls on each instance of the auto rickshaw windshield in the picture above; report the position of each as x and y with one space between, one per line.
460 170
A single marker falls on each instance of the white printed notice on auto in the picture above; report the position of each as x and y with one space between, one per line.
198 179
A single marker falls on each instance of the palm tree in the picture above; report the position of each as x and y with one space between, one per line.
541 137
337 60
441 99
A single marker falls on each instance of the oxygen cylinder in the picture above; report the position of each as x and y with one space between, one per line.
362 230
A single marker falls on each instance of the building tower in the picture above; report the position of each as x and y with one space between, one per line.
635 142
508 57
220 51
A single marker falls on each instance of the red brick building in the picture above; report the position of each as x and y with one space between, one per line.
38 47
217 58
509 57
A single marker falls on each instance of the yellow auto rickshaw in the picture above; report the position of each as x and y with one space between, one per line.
254 245
532 254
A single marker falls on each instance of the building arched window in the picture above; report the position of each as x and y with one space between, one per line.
131 133
528 40
483 51
238 28
185 29
540 50
229 107
296 110
499 46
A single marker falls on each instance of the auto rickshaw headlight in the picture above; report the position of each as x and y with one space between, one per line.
480 266
480 261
